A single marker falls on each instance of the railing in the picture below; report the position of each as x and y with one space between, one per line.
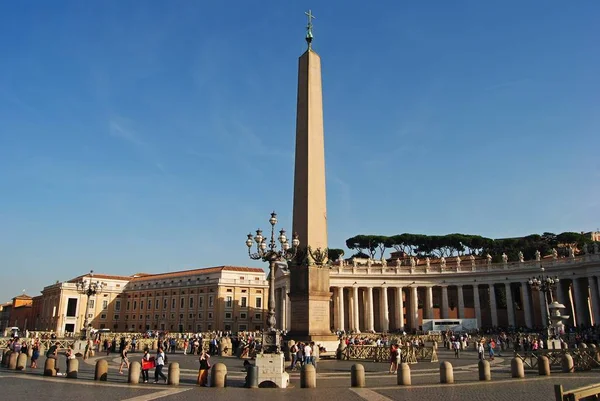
576 393
583 358
382 354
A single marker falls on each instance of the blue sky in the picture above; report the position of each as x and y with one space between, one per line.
152 136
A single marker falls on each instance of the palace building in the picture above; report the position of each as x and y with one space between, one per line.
215 298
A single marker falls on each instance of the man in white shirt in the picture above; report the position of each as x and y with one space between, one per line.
308 353
160 362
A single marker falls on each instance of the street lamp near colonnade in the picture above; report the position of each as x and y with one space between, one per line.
267 250
546 284
88 288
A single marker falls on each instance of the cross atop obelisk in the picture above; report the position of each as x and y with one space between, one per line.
309 26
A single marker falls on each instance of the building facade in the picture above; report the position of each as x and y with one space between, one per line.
216 298
396 295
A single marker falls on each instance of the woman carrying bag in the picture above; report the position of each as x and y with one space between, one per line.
204 367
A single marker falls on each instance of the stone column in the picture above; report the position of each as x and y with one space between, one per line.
560 294
414 308
371 317
399 315
461 302
341 309
356 320
595 301
477 304
286 311
510 306
428 312
384 310
543 311
581 307
493 307
444 311
526 304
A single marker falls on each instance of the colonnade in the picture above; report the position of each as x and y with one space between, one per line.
369 306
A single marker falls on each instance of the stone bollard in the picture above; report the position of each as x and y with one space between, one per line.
72 368
446 373
357 375
6 358
50 367
218 375
173 378
12 361
543 366
403 376
484 370
101 372
22 361
516 368
221 348
135 369
583 345
567 364
308 376
154 344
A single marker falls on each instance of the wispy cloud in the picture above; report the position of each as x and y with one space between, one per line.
118 129
123 129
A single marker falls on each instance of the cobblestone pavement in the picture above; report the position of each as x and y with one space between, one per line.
333 381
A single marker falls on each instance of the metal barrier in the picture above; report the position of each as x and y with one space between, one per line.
382 354
583 358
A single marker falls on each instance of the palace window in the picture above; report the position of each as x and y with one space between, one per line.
259 302
117 305
244 302
229 301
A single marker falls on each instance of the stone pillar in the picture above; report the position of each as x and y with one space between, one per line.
461 302
526 304
444 311
477 304
284 325
371 317
355 307
510 306
581 307
399 309
414 308
543 311
350 309
341 310
384 310
560 294
428 311
595 301
493 307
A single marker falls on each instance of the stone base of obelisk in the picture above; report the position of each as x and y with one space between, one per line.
271 368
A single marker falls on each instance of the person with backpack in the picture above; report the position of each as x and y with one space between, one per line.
293 352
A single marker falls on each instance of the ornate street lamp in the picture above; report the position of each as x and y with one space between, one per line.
545 284
267 251
89 288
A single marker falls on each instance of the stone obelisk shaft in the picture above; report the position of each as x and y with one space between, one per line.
309 281
310 205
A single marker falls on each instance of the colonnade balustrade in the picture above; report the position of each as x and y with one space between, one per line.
371 300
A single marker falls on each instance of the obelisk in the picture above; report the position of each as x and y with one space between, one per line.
309 275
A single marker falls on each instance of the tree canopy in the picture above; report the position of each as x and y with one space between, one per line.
375 246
